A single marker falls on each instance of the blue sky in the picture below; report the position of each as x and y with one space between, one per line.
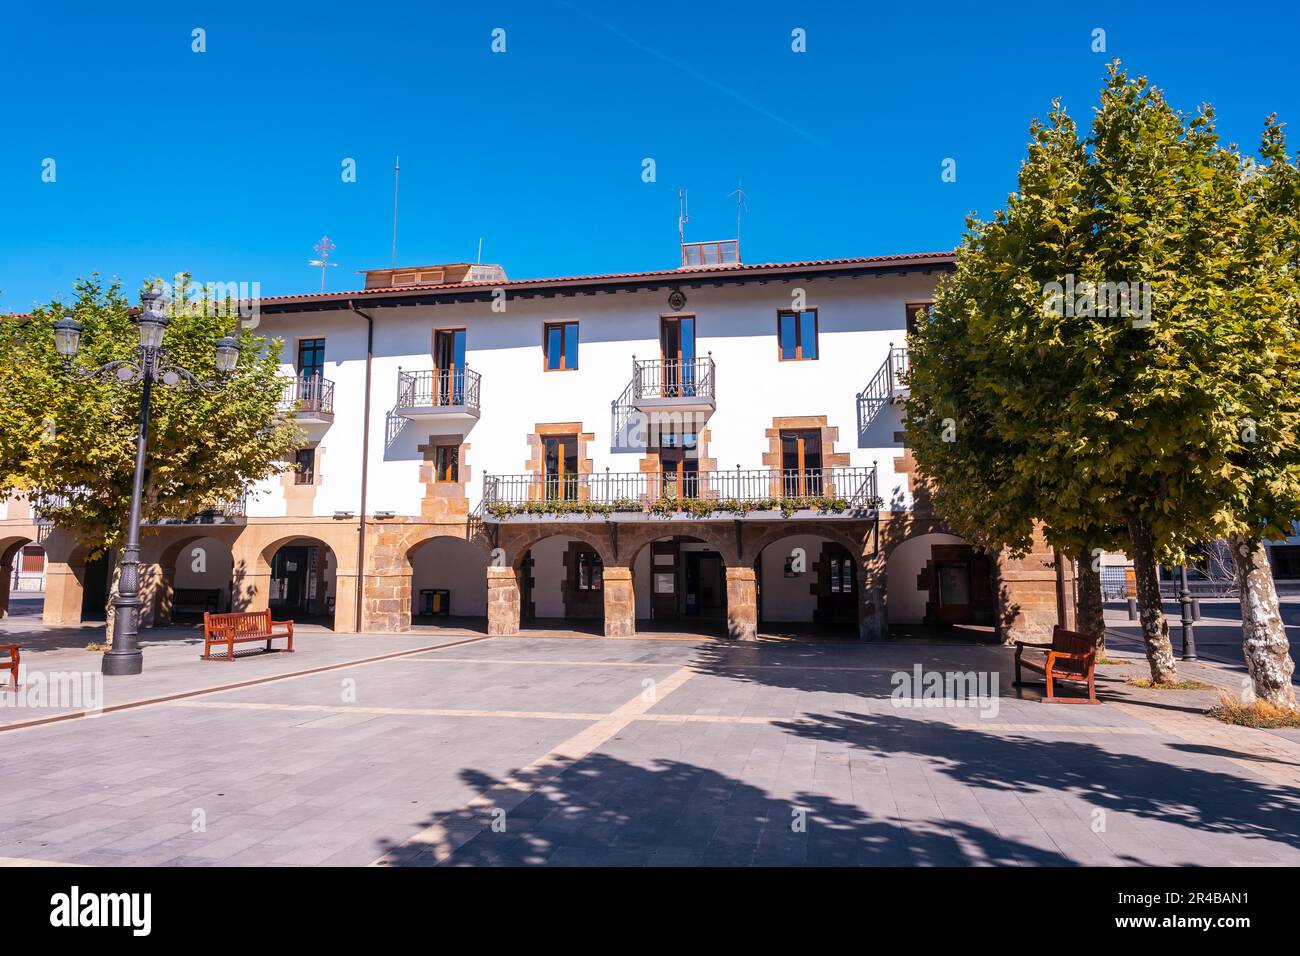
227 163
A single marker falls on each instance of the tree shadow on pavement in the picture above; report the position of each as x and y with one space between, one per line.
603 811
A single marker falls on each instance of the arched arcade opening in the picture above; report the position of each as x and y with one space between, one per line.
448 583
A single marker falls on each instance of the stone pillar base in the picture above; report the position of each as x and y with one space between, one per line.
873 618
742 604
620 603
502 602
63 593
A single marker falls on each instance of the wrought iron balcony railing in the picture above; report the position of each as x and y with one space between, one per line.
308 394
889 384
219 513
670 378
434 388
840 489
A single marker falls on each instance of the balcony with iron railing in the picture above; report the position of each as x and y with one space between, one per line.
888 385
449 395
739 493
222 512
309 398
687 386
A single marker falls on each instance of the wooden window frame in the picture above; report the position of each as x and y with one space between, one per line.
798 340
910 310
561 477
596 571
801 470
453 450
309 476
297 353
577 346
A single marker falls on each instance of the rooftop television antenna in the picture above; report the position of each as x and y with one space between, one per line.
683 216
323 249
397 170
742 205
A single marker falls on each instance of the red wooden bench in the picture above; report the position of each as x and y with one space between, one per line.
241 628
11 664
1070 656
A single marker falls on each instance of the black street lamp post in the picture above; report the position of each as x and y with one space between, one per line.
149 366
1189 629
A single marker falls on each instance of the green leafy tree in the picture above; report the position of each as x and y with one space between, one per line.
73 440
963 379
1120 330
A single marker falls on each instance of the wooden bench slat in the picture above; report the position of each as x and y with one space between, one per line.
1072 655
243 627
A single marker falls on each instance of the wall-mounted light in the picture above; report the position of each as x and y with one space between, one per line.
344 514
384 514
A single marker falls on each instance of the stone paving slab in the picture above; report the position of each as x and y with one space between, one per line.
532 751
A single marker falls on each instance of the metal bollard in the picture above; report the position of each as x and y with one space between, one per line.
1132 609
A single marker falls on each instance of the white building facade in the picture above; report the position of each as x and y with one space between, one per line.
716 448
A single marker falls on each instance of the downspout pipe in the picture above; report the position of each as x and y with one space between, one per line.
365 463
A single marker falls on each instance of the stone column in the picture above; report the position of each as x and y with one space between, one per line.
1026 596
63 593
250 591
387 601
873 621
742 604
502 601
6 575
345 602
620 603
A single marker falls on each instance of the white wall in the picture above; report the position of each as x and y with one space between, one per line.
453 565
790 599
207 565
906 602
858 318
548 575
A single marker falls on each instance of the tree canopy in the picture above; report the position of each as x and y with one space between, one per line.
1116 355
72 440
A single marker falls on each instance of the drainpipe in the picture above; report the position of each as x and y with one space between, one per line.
365 462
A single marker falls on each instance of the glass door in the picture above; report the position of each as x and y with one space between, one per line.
561 464
449 366
801 464
677 347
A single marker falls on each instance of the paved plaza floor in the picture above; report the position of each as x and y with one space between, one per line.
461 749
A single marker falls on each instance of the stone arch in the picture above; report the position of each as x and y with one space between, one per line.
812 581
911 575
10 549
450 563
550 576
228 583
526 540
855 536
298 595
720 536
693 597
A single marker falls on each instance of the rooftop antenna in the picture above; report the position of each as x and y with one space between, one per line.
323 249
683 216
742 204
480 250
397 170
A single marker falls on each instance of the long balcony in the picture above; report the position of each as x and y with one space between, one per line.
739 493
688 387
445 396
888 385
310 398
223 512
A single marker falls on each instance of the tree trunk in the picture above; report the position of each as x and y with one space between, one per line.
1264 641
1089 611
1155 628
